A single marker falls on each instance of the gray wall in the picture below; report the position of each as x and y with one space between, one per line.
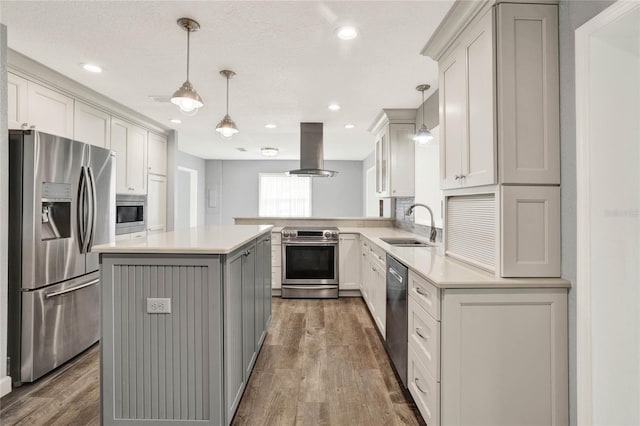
340 196
191 162
572 14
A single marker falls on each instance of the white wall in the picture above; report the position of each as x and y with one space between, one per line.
572 14
339 196
5 382
614 205
200 165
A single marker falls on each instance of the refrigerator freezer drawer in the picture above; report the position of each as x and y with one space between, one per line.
58 322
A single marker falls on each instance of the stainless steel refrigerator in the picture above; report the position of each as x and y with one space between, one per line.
61 204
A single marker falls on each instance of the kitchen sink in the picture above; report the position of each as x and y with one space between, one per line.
405 242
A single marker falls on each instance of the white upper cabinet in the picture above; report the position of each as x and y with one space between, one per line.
499 94
528 99
17 101
49 111
32 106
394 130
157 203
91 125
130 144
157 154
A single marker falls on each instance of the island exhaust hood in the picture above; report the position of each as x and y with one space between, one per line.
311 152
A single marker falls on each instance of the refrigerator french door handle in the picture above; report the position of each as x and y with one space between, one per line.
87 211
93 212
82 191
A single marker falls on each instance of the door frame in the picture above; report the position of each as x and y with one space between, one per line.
583 287
193 189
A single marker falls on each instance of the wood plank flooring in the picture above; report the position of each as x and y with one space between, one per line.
322 363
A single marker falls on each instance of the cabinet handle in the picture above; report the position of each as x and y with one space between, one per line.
417 382
24 126
457 177
462 176
422 293
374 269
419 333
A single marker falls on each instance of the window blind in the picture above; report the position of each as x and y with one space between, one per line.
471 229
281 195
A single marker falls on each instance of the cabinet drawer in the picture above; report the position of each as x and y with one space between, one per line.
378 254
424 336
426 294
276 238
424 389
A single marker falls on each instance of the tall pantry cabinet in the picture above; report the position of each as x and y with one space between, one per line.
499 135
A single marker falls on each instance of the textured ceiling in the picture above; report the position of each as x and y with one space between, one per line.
289 63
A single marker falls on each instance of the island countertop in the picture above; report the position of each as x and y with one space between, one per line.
197 240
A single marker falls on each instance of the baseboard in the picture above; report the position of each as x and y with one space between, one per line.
276 292
5 385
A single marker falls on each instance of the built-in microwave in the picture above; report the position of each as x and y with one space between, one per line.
130 213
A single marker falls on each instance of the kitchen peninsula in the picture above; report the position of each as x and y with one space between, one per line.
184 315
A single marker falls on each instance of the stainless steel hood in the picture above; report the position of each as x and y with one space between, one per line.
312 152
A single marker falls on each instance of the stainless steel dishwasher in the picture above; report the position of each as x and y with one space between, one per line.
396 339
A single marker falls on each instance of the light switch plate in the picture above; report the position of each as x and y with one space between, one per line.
158 305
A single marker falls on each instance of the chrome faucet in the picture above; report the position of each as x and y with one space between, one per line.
433 233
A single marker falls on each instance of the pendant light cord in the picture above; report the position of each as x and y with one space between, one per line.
188 50
423 123
227 95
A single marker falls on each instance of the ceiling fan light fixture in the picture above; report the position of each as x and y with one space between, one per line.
186 98
423 136
227 127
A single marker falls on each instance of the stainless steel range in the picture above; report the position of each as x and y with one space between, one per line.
310 262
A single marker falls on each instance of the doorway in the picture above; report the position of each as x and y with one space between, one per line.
608 216
186 198
372 208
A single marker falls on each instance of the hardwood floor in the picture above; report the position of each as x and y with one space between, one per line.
69 395
322 363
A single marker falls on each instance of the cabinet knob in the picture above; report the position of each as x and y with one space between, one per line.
130 188
457 177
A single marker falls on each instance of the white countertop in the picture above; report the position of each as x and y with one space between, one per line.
443 271
199 240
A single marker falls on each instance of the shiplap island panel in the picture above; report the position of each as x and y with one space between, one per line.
214 284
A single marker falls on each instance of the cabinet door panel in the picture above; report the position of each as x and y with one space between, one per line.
528 96
402 176
478 165
50 111
137 160
349 262
248 310
233 341
452 119
157 203
157 154
118 144
90 125
17 101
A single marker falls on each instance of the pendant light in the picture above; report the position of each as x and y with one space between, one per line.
226 126
423 136
186 98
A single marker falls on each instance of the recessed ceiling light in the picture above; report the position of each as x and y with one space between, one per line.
269 152
334 107
270 126
92 68
347 32
175 121
349 126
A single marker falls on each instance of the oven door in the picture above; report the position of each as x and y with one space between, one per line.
310 263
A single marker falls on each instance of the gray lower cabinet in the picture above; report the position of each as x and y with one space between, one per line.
161 366
191 365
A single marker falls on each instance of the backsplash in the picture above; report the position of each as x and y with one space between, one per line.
406 222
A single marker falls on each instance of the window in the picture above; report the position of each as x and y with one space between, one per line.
284 196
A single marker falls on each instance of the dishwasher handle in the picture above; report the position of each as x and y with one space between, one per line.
396 275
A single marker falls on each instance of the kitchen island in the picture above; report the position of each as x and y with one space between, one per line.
183 317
